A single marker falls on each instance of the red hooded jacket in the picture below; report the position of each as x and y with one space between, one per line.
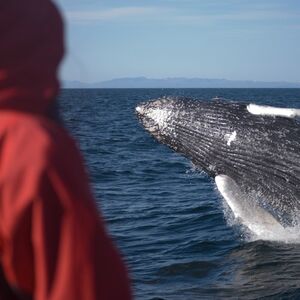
53 244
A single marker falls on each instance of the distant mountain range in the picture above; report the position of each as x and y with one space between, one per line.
178 82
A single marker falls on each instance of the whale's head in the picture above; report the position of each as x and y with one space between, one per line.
196 129
256 147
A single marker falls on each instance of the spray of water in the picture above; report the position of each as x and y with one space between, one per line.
255 227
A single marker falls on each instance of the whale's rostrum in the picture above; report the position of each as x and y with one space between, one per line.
252 153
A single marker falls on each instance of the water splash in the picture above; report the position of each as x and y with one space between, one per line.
258 231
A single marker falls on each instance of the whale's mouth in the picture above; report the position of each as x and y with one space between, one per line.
149 123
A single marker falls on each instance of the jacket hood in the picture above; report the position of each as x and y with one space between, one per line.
31 48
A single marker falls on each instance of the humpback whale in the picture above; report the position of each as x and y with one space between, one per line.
251 151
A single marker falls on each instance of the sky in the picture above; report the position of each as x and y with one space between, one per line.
229 39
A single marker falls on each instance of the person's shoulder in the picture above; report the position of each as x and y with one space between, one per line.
30 138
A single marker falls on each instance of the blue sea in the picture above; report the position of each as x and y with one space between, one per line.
166 217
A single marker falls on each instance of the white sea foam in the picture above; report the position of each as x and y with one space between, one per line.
288 235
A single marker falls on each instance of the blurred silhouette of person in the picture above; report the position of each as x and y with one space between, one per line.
53 244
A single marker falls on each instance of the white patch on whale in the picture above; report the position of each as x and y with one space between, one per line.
230 138
140 109
160 116
258 220
273 111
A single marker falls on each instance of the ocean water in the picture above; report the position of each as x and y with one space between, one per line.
167 218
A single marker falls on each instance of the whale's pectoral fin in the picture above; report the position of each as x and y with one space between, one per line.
272 111
244 207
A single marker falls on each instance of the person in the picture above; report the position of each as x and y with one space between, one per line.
53 243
